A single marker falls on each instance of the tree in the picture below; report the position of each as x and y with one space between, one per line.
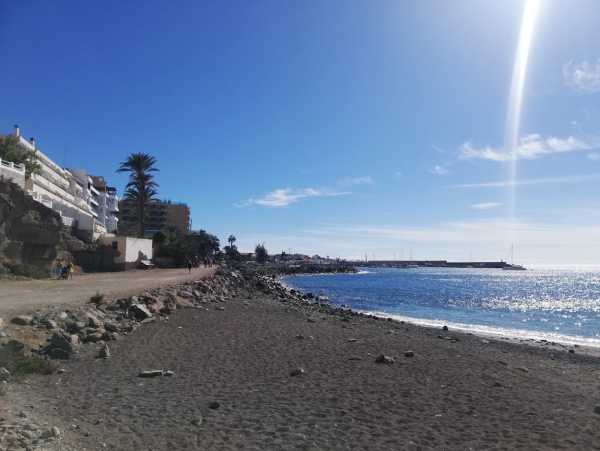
141 187
12 150
260 251
231 240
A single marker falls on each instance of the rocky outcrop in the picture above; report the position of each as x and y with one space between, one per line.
31 235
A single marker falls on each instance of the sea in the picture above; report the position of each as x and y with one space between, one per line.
555 304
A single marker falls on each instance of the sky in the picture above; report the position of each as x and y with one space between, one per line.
342 128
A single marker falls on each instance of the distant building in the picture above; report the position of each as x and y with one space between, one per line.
71 194
108 204
158 216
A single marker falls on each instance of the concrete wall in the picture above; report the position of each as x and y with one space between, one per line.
131 250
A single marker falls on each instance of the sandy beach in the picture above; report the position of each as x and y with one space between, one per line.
452 391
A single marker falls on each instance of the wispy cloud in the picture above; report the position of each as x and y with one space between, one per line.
485 205
283 197
594 156
530 147
439 170
583 77
362 180
567 179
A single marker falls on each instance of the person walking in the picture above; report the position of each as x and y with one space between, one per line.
189 265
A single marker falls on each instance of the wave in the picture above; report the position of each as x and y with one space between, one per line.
493 332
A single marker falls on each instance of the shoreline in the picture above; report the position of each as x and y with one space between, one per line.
289 373
537 338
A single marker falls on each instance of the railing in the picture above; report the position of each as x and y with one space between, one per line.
17 167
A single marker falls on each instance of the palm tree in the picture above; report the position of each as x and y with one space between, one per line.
141 188
232 239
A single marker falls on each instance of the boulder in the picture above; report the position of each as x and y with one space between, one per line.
22 320
60 346
140 312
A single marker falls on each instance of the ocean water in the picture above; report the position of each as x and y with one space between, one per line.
555 304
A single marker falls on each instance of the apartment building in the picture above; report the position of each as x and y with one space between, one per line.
69 193
158 216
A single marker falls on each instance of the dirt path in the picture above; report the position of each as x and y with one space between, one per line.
17 297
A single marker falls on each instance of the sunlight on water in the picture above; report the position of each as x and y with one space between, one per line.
515 102
563 302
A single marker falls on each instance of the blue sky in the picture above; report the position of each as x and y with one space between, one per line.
337 127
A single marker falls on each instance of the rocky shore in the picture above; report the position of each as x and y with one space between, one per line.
240 362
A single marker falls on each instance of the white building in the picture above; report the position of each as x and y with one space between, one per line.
108 204
71 195
131 252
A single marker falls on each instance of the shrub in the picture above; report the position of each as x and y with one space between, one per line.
97 299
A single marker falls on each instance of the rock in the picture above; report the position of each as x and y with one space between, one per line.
150 373
214 405
384 359
220 308
111 327
60 346
300 337
445 328
1 323
168 373
597 410
93 321
409 354
297 372
4 374
104 352
53 432
198 421
140 312
571 351
63 316
352 340
22 320
94 337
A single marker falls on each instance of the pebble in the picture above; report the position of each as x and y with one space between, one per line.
384 359
219 308
104 352
198 421
214 405
297 372
409 354
150 373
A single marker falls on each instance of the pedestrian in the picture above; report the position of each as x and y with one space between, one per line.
59 269
189 265
71 270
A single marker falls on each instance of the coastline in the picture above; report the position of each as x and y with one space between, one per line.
536 338
445 389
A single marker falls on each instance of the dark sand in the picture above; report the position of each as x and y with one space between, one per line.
466 394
